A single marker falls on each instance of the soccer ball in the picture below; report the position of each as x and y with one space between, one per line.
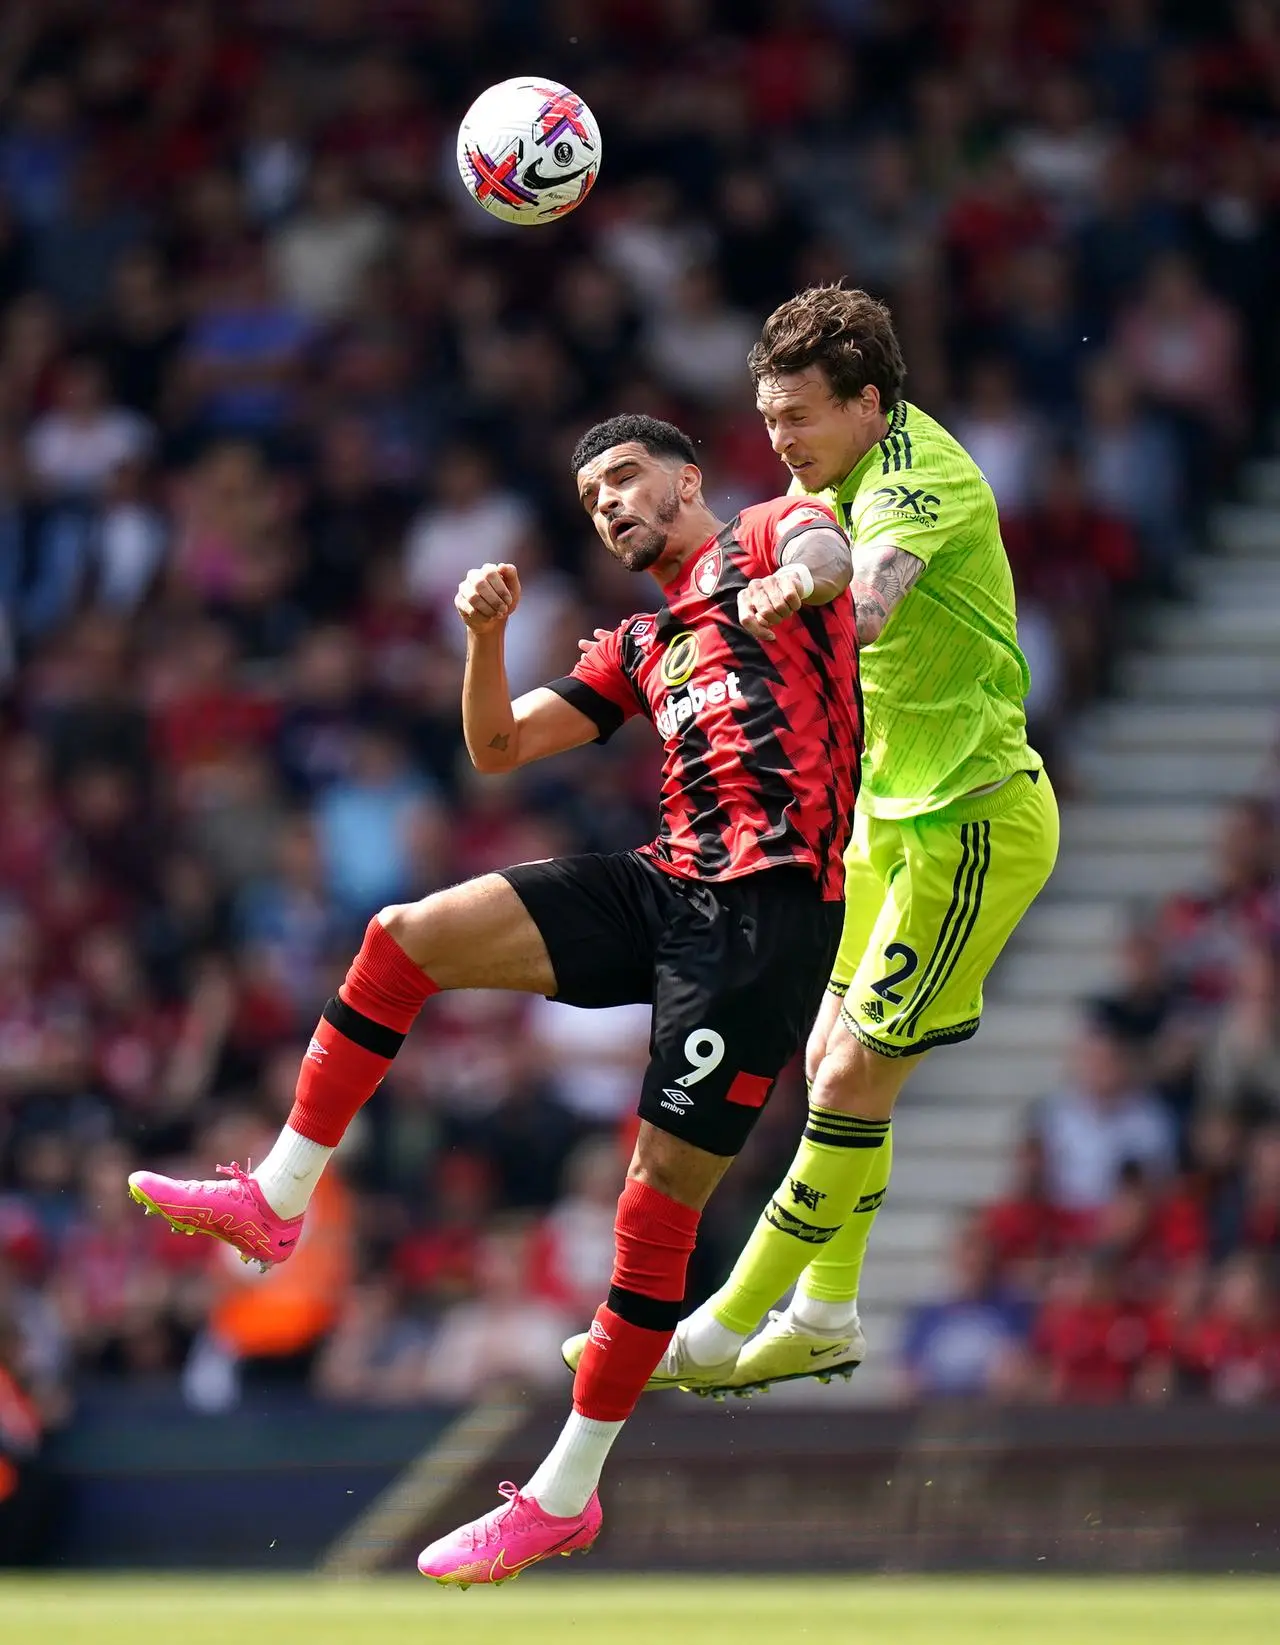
528 150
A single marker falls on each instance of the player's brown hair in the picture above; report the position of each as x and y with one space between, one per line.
848 333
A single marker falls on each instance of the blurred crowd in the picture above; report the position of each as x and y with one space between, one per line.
270 383
1136 1253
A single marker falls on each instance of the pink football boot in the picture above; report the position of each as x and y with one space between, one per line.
234 1211
505 1541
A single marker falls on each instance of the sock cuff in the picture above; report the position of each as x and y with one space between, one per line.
830 1127
383 983
648 1211
653 1238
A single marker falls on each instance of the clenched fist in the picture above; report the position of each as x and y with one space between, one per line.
767 601
487 597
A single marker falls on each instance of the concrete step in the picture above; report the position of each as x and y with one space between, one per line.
1222 580
912 1232
1247 627
1055 975
1222 677
955 1125
889 1277
1145 727
1262 481
1250 529
1058 923
937 1181
1189 825
1018 1030
1227 773
973 1072
1130 875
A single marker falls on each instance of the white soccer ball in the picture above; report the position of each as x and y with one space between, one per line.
528 150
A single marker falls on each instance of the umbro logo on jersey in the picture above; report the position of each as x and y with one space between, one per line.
643 630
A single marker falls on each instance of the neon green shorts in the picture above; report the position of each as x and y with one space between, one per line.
929 903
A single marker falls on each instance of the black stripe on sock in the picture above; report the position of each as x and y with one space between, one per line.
777 1216
870 1202
819 1115
645 1312
362 1030
841 1139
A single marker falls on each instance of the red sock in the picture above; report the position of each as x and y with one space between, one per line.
653 1239
357 1037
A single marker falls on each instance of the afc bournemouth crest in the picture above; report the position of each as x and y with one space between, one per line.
706 574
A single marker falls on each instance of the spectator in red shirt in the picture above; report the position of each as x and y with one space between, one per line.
1207 933
207 712
1091 1342
384 132
438 1262
1070 555
1261 1210
1233 1351
1181 345
1240 1064
1026 1231
990 222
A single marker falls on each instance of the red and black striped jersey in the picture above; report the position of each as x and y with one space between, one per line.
763 741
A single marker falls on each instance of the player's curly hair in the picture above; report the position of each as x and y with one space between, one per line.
659 439
848 333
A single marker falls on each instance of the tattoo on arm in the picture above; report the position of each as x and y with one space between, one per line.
501 742
825 551
881 577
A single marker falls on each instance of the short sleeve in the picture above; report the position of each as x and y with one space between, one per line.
804 514
766 529
600 687
912 512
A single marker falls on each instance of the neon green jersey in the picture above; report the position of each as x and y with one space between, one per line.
943 686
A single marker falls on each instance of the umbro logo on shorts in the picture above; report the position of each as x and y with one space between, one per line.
675 1101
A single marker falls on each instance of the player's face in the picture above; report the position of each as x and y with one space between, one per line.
633 498
819 438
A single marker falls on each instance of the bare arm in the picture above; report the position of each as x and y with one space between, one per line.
501 735
881 577
824 550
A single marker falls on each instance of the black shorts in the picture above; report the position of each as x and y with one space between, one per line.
734 970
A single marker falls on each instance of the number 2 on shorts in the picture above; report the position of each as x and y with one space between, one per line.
908 961
705 1050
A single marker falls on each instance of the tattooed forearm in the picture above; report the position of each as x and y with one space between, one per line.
501 742
881 577
825 550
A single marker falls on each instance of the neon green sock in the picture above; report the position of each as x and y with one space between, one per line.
835 1273
837 1158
